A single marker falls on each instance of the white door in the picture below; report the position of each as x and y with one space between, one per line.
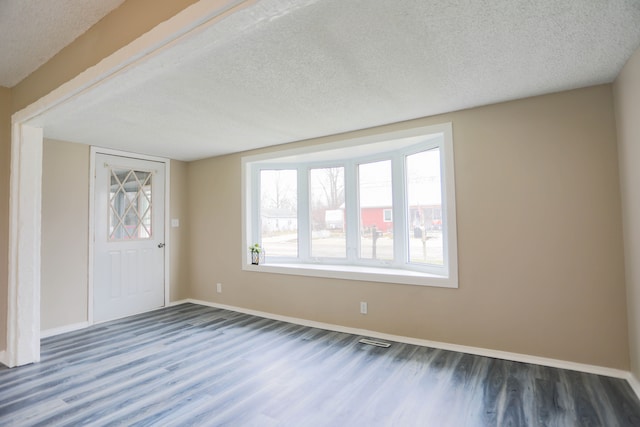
128 268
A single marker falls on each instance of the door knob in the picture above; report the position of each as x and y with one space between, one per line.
161 245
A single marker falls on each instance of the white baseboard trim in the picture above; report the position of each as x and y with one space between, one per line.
498 354
64 329
81 325
634 383
3 358
182 301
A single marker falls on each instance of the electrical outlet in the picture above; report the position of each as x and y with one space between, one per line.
363 307
219 288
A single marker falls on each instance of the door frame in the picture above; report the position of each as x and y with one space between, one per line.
167 219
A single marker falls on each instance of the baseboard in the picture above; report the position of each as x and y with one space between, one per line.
81 325
3 358
63 329
634 383
516 357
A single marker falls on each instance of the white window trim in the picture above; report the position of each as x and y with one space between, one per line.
360 272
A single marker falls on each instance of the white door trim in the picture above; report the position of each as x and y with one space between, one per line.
167 220
23 302
23 320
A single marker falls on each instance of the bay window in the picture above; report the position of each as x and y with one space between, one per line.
379 208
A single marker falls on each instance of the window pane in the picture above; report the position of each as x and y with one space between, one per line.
328 238
279 212
376 221
425 208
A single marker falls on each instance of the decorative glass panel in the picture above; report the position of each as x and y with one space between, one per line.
130 204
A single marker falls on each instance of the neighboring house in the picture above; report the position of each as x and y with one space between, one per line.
278 220
380 217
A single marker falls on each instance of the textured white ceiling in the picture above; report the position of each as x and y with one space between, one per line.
33 31
287 70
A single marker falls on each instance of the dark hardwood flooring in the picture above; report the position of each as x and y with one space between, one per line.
192 365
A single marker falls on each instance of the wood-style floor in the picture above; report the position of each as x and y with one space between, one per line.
193 365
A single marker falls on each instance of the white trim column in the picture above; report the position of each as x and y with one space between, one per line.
23 317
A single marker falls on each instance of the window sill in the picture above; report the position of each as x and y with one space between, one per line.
361 273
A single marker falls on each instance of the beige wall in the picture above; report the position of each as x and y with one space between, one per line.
5 161
627 108
120 27
65 234
178 238
539 239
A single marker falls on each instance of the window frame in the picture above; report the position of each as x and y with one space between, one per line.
400 270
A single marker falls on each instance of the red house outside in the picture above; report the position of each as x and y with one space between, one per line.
424 217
